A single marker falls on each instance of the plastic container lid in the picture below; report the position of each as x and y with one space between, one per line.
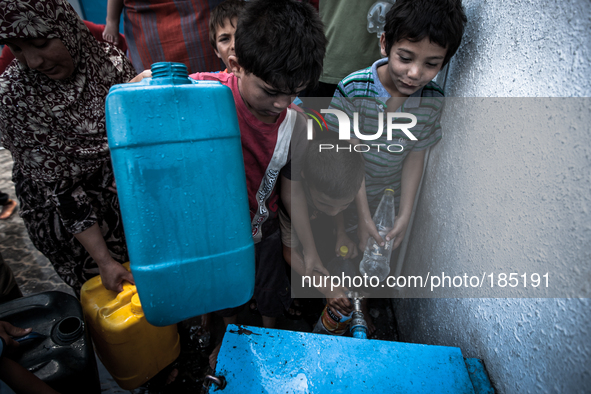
343 250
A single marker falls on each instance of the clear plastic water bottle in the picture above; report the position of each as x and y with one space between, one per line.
376 16
332 322
376 258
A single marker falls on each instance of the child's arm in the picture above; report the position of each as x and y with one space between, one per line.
336 298
366 227
294 199
111 32
412 170
21 380
14 375
142 75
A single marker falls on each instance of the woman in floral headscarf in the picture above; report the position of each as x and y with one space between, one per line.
52 119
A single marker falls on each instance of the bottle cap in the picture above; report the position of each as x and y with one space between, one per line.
343 250
390 190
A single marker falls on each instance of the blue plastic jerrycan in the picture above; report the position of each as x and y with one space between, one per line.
177 158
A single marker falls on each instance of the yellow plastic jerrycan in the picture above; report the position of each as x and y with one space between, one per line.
132 350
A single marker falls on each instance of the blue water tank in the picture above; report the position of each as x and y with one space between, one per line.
256 360
177 157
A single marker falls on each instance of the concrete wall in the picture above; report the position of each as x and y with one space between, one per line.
77 7
506 197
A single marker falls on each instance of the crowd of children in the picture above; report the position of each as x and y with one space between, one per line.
273 50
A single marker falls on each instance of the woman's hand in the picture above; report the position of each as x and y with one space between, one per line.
113 275
142 75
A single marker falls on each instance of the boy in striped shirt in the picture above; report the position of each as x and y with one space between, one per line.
420 38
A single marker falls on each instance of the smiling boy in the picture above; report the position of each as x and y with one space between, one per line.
420 38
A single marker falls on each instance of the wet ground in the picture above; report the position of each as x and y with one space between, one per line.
34 274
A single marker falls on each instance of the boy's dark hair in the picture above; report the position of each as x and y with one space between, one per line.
441 20
225 10
282 42
338 173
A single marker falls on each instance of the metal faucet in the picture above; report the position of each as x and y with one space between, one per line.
358 324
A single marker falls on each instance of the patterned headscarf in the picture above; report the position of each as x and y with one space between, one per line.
55 129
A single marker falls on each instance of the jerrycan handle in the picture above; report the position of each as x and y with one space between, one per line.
127 289
136 305
134 301
123 297
169 73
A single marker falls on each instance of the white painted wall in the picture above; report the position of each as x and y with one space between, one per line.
77 7
496 199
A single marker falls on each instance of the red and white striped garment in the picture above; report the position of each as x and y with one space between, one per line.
171 31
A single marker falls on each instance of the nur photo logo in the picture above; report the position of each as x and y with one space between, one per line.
345 123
